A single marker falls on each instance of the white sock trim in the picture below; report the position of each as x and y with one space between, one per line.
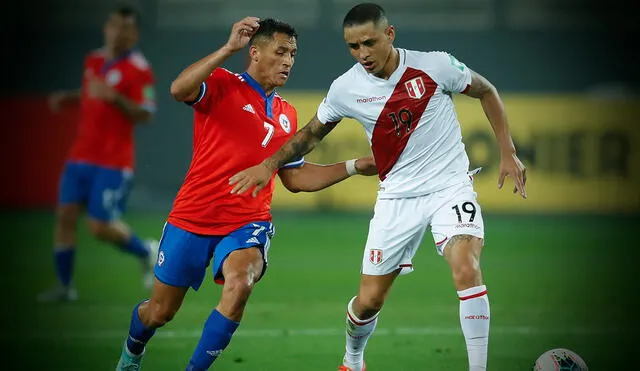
357 321
136 356
472 292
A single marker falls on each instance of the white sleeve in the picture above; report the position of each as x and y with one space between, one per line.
453 75
330 109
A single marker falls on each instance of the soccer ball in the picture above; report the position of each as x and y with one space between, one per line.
560 360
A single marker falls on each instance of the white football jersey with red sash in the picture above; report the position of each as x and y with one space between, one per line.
409 119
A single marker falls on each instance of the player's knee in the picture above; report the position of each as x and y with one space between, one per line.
463 254
370 304
98 228
160 314
372 294
67 216
467 274
238 286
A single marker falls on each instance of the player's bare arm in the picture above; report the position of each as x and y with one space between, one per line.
186 86
136 112
312 177
303 142
99 89
300 144
59 100
494 109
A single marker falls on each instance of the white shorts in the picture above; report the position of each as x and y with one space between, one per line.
398 225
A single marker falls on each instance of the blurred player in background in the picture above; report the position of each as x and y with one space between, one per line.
117 93
239 120
403 98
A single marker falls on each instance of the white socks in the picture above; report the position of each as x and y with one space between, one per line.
358 332
474 319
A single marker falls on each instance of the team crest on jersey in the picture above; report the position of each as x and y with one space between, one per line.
415 88
160 258
284 123
113 77
375 256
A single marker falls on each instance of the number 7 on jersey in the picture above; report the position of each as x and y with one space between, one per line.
270 129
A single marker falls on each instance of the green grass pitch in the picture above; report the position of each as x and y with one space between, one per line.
552 283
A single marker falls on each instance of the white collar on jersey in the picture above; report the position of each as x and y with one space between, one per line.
397 74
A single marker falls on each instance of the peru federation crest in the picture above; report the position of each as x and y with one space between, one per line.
375 256
415 87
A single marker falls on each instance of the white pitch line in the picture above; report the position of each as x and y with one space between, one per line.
316 332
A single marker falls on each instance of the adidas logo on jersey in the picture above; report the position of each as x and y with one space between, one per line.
253 240
249 108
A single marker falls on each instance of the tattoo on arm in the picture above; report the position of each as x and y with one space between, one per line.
301 143
479 86
320 130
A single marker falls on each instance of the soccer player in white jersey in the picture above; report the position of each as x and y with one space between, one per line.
403 99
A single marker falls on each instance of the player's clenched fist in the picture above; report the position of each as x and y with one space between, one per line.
241 33
55 101
257 176
366 166
99 89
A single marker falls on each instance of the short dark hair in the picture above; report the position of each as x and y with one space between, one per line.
127 11
364 13
269 26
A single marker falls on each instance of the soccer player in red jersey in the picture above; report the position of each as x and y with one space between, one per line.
117 93
239 120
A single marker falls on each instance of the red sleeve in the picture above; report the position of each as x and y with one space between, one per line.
211 90
143 90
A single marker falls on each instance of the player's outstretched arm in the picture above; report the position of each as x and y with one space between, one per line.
300 144
60 99
98 89
186 86
493 108
314 177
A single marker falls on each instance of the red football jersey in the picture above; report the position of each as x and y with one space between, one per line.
105 134
236 126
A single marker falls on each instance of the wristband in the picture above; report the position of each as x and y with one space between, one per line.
351 167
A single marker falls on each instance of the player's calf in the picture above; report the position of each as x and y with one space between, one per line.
119 234
162 307
155 314
463 254
65 242
67 216
241 271
146 317
362 316
372 293
64 252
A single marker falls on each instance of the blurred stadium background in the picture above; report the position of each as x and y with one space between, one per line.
569 80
